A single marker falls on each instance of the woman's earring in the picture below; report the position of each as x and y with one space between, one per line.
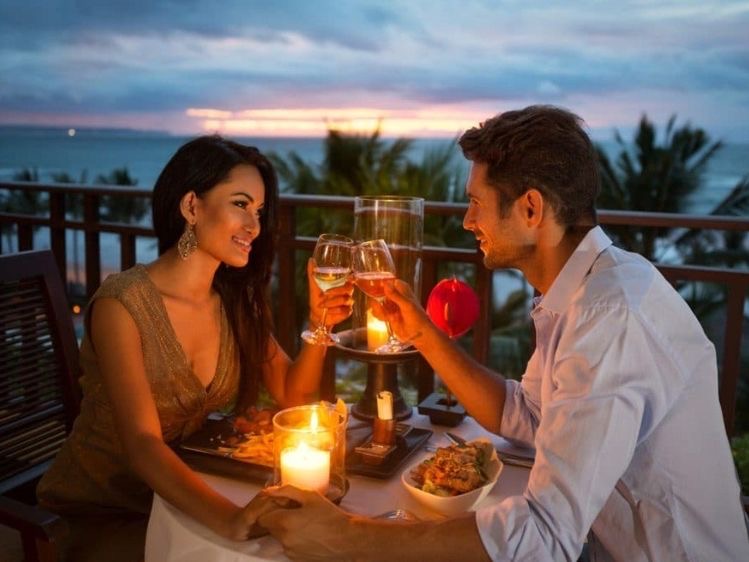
187 243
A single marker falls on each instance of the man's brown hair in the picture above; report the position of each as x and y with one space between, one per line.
541 147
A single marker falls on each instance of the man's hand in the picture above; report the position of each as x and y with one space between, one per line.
318 530
401 308
244 524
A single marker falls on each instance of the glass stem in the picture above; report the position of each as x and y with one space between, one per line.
321 328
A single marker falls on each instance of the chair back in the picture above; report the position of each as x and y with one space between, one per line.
39 396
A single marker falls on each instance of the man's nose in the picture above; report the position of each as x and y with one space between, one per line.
468 221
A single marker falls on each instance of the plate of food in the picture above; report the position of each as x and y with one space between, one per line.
240 446
456 478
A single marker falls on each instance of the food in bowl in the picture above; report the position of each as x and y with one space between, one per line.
453 470
417 476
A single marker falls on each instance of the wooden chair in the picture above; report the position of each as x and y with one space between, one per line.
39 397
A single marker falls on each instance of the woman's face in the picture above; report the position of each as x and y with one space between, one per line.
228 216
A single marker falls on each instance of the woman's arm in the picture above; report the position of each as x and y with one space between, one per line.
118 348
298 382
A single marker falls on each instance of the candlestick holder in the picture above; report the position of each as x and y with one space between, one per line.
382 374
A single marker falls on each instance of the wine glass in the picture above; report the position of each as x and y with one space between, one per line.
332 257
373 267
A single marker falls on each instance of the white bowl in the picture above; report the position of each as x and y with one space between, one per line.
454 505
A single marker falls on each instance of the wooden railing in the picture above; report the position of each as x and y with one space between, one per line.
291 243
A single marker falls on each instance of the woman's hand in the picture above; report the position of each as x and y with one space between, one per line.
338 301
243 525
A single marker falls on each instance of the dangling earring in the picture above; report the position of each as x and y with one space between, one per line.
187 243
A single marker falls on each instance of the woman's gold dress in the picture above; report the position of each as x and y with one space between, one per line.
90 482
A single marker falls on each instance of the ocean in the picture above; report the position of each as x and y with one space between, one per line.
89 153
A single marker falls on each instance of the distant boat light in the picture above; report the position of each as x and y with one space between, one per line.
71 132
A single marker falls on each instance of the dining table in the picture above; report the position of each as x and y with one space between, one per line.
173 536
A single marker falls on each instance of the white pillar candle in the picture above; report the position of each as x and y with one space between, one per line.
385 405
377 332
305 467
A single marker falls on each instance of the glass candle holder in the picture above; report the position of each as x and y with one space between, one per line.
309 449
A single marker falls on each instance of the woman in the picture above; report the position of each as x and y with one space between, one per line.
169 342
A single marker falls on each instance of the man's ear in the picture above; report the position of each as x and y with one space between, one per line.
187 206
533 207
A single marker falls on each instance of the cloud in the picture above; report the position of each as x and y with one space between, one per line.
141 56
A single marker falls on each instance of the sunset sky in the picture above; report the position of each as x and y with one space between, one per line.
418 68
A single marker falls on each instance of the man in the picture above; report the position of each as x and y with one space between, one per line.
619 398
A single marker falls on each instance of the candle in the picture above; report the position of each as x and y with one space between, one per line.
377 332
385 405
305 467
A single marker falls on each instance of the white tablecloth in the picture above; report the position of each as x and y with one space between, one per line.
175 537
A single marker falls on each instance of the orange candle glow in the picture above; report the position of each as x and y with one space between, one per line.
377 332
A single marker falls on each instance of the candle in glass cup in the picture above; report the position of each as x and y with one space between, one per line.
305 467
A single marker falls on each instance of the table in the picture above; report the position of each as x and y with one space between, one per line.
175 537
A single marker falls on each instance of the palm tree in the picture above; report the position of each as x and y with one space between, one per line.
23 201
365 164
655 177
659 177
121 209
74 208
728 249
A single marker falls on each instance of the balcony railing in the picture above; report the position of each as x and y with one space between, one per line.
58 221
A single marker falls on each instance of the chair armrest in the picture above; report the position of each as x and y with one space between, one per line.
30 519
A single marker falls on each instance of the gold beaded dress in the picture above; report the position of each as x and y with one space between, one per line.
90 481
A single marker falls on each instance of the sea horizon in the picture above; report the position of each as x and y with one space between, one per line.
85 153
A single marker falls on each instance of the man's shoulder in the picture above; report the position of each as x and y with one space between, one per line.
618 278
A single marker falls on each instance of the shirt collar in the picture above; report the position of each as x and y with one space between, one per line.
574 271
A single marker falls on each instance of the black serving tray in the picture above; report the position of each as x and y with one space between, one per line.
405 446
205 451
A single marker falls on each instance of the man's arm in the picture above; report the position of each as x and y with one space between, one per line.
318 530
480 390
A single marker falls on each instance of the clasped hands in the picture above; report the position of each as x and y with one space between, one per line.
298 519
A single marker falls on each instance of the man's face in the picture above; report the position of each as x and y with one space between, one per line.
501 239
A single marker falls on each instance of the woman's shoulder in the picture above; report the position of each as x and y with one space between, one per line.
123 284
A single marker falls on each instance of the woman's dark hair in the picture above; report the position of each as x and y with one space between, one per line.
541 147
199 166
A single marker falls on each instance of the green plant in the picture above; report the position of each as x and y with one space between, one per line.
122 209
652 175
740 450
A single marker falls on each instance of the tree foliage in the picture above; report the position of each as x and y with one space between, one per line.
116 208
653 176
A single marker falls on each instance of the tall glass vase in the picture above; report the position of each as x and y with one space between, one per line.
400 222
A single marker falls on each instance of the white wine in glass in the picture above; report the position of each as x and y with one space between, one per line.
332 257
373 268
